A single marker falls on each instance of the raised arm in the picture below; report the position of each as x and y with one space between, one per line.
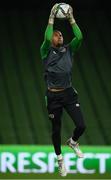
78 37
47 41
44 49
77 40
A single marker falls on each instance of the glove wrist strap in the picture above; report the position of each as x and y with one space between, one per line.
51 20
72 21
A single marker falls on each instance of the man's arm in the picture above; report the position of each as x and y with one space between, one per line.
78 37
44 49
77 40
47 41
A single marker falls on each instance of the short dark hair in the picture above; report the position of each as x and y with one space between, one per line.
57 31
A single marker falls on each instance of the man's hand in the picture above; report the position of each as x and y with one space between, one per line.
70 16
53 13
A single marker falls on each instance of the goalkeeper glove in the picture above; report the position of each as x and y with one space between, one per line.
70 16
53 13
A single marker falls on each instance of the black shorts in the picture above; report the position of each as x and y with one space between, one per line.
61 99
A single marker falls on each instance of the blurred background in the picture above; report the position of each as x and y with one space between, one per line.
23 114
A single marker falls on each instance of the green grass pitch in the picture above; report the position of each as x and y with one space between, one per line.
53 176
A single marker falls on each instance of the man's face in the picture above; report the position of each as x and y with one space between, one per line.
57 39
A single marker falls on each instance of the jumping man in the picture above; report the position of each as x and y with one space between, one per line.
58 59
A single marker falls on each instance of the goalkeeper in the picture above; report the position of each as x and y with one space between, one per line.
58 59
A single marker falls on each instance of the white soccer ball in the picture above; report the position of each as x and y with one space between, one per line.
62 10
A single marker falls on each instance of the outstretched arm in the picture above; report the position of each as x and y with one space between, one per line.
78 37
48 33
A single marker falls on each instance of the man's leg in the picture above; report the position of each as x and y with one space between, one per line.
55 118
76 115
55 112
72 107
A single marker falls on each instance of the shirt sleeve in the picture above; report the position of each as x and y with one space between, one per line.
78 37
47 41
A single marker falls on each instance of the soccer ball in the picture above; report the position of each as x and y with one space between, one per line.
62 10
